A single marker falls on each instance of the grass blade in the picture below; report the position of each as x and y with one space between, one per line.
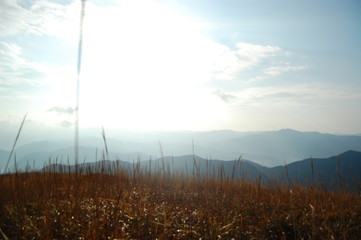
16 140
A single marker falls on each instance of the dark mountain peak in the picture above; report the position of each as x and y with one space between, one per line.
351 153
293 131
288 130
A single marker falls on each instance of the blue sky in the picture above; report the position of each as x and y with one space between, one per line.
182 65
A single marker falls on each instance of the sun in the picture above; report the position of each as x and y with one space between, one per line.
143 67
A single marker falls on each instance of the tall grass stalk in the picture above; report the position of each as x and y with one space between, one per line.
15 142
162 158
289 183
339 171
77 94
312 172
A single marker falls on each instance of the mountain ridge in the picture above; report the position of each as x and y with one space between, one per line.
343 170
268 148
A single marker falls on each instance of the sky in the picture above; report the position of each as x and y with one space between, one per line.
176 65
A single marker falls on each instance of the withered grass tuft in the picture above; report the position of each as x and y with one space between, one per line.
144 205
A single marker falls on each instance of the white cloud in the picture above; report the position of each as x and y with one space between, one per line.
41 18
62 110
21 79
228 98
14 69
298 94
12 17
300 106
246 57
22 19
253 53
10 53
66 124
278 70
56 20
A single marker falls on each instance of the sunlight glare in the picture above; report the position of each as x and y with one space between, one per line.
143 65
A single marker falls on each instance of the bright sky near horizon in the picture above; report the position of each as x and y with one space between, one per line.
183 65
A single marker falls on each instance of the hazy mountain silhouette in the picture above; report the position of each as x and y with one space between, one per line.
276 147
335 171
273 148
342 171
37 160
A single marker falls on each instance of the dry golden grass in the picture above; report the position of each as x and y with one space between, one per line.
51 205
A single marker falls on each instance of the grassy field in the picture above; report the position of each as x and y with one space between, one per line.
141 205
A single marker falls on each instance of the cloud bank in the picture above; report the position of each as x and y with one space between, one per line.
61 110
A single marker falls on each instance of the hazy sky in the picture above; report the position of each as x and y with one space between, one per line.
183 64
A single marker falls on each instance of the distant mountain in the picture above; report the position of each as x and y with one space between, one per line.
193 165
43 146
102 166
277 147
273 148
343 170
187 165
37 160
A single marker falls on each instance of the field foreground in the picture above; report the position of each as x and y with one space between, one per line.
48 205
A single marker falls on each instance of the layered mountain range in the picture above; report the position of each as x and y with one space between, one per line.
266 154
